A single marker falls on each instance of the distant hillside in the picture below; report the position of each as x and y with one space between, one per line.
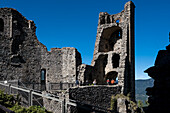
140 86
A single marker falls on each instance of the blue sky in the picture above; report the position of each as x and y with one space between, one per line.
73 23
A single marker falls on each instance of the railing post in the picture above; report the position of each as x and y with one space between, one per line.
65 108
61 86
33 85
30 98
9 92
49 86
68 85
63 105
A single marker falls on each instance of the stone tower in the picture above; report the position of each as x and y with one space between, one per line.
114 56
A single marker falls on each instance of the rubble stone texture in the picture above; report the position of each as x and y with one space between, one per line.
159 94
94 95
85 74
24 58
113 58
114 49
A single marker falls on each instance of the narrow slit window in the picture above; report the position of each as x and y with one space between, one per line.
1 25
43 79
43 73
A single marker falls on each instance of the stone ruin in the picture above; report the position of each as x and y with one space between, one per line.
159 94
24 58
114 49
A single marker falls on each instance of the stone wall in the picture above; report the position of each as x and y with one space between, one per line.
20 50
60 65
94 95
24 58
85 74
113 56
52 105
71 60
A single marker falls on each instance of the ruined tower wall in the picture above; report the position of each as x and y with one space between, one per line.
85 74
52 63
60 64
23 57
71 60
114 49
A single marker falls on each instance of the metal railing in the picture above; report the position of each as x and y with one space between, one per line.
42 87
60 86
31 97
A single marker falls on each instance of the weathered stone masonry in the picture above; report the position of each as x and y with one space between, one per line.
60 64
114 50
19 54
23 57
113 58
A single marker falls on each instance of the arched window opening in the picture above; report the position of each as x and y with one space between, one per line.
117 21
1 25
109 38
115 60
108 19
102 20
113 39
111 78
43 73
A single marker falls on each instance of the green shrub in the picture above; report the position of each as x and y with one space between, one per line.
140 104
131 105
113 103
147 103
12 103
7 100
18 109
32 109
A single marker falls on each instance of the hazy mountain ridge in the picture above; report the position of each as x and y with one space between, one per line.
140 87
